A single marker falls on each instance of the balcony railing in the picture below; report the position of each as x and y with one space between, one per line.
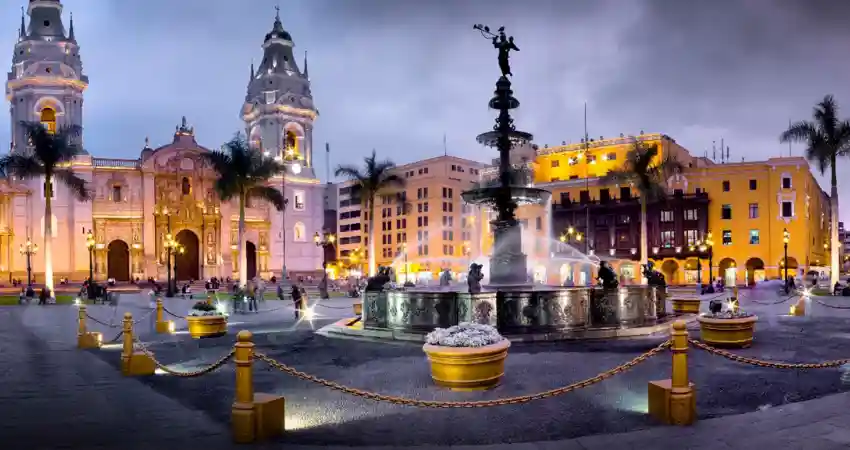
114 162
615 201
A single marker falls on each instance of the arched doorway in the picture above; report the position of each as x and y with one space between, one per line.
728 271
792 267
118 260
188 261
670 269
755 271
566 274
251 258
693 271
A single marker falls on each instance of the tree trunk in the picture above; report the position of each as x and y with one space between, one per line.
243 257
371 246
644 238
834 245
48 235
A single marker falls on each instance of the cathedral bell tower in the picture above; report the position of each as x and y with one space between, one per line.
46 81
278 110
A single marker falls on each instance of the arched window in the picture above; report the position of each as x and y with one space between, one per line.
291 144
187 186
299 232
48 119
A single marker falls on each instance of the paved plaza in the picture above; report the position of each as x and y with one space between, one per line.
84 402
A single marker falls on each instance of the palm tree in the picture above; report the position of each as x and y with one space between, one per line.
49 156
374 177
244 173
646 170
826 138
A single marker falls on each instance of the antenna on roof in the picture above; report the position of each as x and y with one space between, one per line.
445 146
722 146
713 150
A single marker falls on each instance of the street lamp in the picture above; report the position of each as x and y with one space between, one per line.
177 249
288 159
90 245
325 240
786 236
28 250
170 245
709 244
571 235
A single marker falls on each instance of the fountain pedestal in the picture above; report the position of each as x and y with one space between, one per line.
508 264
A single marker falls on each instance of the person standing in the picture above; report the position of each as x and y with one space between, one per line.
323 284
297 300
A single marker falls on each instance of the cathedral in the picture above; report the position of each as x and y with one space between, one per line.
166 195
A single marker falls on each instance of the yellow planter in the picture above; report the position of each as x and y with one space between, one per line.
358 309
727 332
686 305
468 369
207 326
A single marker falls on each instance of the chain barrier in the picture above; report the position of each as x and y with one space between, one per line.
116 338
333 307
113 325
176 316
196 373
457 404
778 302
762 363
827 304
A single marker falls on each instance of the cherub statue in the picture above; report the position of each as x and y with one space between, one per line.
474 278
607 276
445 277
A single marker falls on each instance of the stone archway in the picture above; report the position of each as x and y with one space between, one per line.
670 269
251 259
188 262
727 271
755 271
118 260
792 267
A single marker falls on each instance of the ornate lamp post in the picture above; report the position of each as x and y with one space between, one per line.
28 249
325 240
709 244
571 235
289 161
176 249
90 245
786 237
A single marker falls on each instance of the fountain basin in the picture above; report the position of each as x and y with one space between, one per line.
515 311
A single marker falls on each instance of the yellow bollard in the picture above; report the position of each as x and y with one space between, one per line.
162 326
134 363
673 401
85 338
254 416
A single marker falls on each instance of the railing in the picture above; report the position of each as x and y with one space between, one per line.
114 162
616 201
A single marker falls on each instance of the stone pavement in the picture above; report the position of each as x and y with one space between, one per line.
55 396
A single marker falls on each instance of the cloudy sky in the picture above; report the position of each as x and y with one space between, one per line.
396 75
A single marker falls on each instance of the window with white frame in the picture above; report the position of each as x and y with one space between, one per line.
787 209
299 204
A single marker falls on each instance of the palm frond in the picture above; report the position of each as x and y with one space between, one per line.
390 181
798 132
349 172
268 194
22 165
77 186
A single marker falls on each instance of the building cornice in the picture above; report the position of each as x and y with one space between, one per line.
40 81
285 110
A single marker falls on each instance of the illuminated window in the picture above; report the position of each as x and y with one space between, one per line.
291 144
299 232
48 119
299 201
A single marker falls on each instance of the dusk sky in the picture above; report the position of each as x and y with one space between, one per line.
396 75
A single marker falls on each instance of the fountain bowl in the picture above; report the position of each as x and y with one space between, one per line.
515 310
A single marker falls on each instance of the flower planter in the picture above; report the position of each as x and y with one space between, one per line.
207 326
734 332
468 368
358 309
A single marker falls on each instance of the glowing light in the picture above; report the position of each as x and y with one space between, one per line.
77 301
221 308
296 168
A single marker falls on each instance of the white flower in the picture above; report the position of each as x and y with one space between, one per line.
198 313
464 334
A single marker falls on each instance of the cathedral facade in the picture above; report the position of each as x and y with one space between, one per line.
167 192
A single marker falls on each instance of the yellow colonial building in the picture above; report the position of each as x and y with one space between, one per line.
731 214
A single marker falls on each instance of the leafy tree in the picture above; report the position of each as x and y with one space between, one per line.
826 138
374 178
647 170
48 156
244 173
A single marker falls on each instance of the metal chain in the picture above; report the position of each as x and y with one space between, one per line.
102 322
116 338
762 363
828 305
779 302
455 404
333 307
211 368
178 316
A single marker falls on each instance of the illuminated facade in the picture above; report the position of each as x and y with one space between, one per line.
742 208
435 230
167 190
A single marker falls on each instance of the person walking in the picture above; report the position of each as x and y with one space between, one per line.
297 300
